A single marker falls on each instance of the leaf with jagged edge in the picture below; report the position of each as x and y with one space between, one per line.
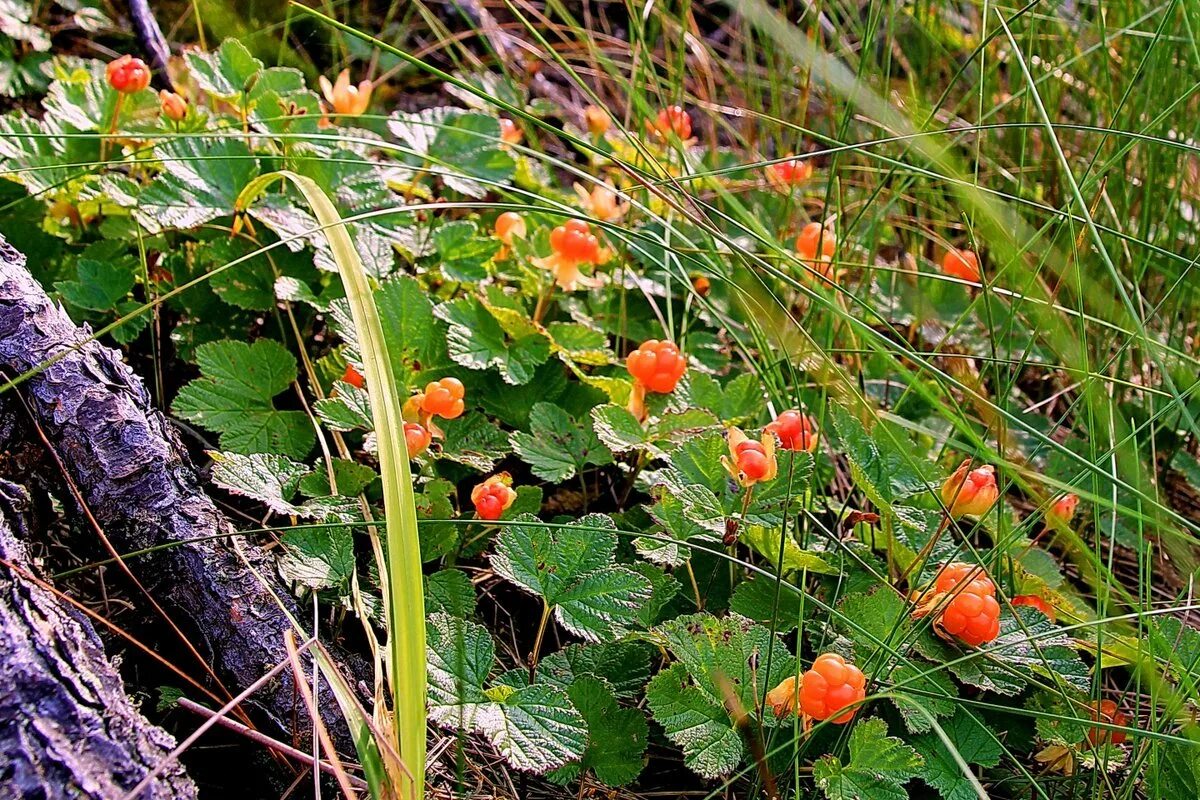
234 396
557 446
535 728
572 569
718 661
696 722
200 181
739 400
462 253
879 766
460 656
616 736
477 340
348 408
1030 642
449 591
271 479
473 440
974 744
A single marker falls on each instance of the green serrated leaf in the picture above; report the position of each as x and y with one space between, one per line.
473 440
319 558
974 744
434 503
557 446
351 477
200 182
234 396
711 746
462 252
450 592
477 340
879 766
272 480
571 568
100 285
616 736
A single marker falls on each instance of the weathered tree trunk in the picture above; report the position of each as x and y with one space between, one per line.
67 728
141 487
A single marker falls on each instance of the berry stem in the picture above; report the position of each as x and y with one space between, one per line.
112 124
926 550
543 304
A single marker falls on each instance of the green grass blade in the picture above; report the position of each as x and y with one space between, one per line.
403 586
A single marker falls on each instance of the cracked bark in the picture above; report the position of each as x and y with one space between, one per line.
67 728
141 487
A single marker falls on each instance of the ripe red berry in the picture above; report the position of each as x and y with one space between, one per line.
971 613
829 687
658 366
1034 601
1063 508
416 438
127 74
443 398
1106 711
353 377
752 460
787 174
962 264
493 497
796 431
672 120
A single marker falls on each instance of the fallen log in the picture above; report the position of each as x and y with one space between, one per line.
67 728
139 486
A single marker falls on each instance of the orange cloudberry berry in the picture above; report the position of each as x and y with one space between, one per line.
673 120
417 438
971 613
786 174
353 377
657 365
831 686
127 74
509 132
961 264
1034 601
750 461
598 120
444 398
1063 508
493 497
1106 711
172 105
970 491
509 225
796 431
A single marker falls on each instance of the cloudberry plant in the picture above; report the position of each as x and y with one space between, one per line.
493 497
443 398
172 105
509 132
353 377
657 365
786 174
1106 711
1034 601
750 462
128 75
417 438
509 225
970 491
796 431
673 120
961 264
972 613
829 687
815 247
573 244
